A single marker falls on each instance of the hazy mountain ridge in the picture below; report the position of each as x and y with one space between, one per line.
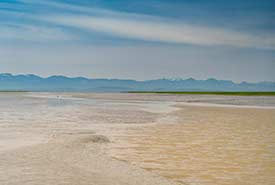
32 82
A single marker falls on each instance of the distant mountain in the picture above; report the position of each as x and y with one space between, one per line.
32 82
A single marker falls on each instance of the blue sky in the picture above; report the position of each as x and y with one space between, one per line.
139 39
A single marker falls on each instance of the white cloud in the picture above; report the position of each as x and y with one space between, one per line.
140 27
159 31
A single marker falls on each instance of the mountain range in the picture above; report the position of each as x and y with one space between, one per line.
30 82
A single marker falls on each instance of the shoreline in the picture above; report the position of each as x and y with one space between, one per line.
204 104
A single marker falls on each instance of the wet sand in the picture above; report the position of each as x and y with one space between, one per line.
206 145
49 139
120 139
77 159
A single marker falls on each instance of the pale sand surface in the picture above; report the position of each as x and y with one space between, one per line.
72 160
48 139
102 139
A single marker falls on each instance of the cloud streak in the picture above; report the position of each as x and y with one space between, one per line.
136 27
49 37
160 31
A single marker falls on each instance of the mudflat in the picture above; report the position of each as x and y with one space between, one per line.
102 139
206 145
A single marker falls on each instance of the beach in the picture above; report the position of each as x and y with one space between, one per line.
121 138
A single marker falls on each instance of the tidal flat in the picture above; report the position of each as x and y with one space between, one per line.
128 138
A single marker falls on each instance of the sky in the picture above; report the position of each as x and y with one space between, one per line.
144 39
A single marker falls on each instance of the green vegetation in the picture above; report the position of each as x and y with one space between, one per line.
210 93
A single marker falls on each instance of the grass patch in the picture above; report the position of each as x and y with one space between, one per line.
210 93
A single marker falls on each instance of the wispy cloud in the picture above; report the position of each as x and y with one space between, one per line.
53 37
22 32
159 31
140 27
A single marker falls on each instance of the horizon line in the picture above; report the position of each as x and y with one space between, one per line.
162 78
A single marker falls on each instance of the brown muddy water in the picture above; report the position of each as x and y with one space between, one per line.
177 137
223 146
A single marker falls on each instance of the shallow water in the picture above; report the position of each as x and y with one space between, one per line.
193 145
220 146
